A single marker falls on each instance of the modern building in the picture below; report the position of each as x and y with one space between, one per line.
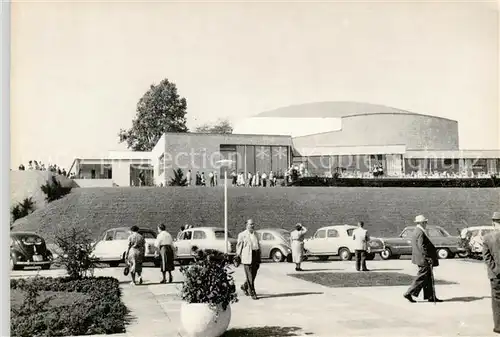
323 137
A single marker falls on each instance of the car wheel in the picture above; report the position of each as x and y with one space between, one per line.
46 267
323 257
114 264
443 253
386 254
370 256
277 255
345 254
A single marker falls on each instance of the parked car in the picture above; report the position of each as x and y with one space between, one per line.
28 250
202 238
447 245
337 240
274 244
472 240
112 246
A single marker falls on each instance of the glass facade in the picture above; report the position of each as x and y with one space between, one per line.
253 158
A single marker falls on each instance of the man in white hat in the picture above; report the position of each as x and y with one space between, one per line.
425 257
491 256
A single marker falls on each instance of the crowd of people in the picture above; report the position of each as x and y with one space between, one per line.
237 179
39 166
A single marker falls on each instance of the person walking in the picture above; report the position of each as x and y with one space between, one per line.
164 245
297 245
248 251
135 253
425 257
188 177
361 238
211 179
491 256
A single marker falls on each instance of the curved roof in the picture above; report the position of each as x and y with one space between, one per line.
332 110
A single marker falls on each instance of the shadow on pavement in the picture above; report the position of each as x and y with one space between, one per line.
465 299
325 269
289 294
265 331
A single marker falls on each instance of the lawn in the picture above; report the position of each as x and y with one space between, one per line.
385 211
66 307
360 279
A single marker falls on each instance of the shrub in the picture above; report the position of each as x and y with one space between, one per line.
103 313
22 209
76 249
209 281
54 190
178 179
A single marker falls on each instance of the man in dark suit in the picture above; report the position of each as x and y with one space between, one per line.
491 256
425 257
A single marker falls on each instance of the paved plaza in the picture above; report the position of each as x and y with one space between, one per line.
289 304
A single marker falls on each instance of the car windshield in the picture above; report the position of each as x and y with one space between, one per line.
30 239
220 234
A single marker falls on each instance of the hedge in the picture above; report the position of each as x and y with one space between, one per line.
102 312
399 182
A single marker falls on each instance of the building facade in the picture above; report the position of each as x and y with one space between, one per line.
324 138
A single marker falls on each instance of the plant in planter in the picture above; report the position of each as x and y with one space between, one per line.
208 291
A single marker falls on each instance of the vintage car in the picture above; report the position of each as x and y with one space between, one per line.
112 245
28 250
337 240
195 238
447 245
472 240
274 244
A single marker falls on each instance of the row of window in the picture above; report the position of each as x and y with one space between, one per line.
255 158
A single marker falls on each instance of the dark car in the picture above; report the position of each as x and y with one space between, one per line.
28 250
447 246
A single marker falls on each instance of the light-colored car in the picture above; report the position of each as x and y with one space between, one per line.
113 243
472 238
202 238
274 244
337 241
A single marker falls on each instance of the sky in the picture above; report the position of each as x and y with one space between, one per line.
79 69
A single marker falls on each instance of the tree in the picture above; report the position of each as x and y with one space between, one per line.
222 126
160 110
54 191
178 179
22 209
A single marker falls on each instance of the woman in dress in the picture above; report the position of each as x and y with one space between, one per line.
164 244
297 244
135 253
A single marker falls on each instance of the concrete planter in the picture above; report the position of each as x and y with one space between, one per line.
199 320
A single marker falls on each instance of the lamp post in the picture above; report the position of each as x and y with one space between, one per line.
225 163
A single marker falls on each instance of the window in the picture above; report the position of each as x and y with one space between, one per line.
267 237
187 235
121 235
279 160
220 235
108 236
263 159
433 232
286 236
199 235
350 231
407 232
148 235
332 233
321 234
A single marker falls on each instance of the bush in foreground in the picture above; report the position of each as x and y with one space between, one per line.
76 247
99 309
22 209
